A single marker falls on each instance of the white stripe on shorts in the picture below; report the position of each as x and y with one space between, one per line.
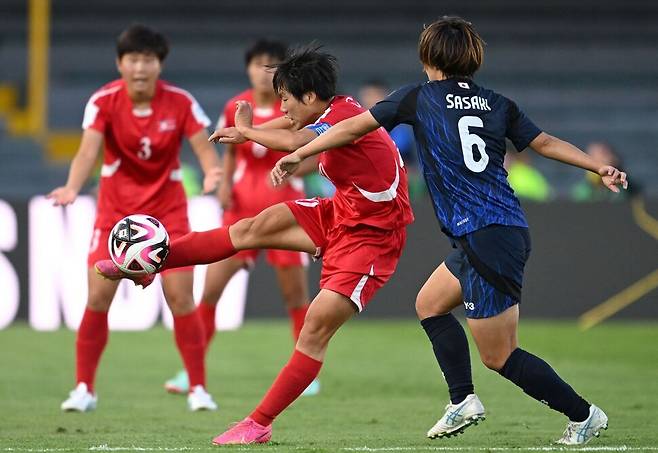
356 294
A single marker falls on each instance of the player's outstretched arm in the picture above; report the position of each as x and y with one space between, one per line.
556 149
280 139
347 131
282 122
343 133
81 167
208 160
284 138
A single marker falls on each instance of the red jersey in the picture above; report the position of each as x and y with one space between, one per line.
254 161
141 168
369 174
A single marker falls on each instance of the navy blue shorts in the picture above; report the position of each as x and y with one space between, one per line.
489 264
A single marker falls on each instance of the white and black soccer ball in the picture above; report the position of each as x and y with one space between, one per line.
138 244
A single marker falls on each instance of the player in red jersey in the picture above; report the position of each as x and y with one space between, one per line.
245 190
359 233
141 120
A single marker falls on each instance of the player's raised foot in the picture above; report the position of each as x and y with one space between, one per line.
200 400
245 432
179 384
80 400
579 433
107 269
312 389
458 417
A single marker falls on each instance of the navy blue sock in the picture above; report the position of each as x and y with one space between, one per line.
540 381
451 351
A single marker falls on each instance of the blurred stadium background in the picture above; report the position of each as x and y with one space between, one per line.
585 71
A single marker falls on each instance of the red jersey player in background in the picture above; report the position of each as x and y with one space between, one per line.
141 120
245 190
359 233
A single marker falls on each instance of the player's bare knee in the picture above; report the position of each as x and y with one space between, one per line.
211 293
493 361
98 304
98 300
426 307
211 297
315 332
241 232
180 304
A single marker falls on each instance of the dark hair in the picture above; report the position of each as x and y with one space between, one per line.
142 39
452 46
275 49
307 70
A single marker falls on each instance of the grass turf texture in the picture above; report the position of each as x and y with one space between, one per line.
381 388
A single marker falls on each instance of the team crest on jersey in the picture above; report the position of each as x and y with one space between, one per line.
167 125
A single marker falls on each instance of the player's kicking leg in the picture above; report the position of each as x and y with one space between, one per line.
273 228
326 314
497 342
438 296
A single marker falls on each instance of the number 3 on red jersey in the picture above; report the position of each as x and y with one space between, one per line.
145 152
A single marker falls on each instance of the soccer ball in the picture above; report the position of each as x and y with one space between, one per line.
138 244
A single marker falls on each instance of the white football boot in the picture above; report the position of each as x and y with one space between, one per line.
200 400
579 433
458 417
80 400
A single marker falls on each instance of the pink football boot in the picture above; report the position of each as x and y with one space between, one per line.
245 432
110 271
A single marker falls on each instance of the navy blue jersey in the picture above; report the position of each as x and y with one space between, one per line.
460 130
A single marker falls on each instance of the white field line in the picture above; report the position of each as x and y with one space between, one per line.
587 449
108 448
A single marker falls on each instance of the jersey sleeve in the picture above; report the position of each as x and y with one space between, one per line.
347 108
95 116
520 129
196 119
399 107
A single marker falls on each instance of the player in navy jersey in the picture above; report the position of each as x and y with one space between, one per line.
460 130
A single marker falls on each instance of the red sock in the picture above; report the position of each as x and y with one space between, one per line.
90 343
297 316
188 331
203 247
207 315
289 384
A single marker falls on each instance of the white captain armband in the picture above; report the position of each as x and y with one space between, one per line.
319 128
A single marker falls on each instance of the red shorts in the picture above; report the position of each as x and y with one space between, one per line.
249 202
356 261
176 223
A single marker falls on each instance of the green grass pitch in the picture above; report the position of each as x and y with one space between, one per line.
381 389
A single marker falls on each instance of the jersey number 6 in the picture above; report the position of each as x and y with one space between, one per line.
469 140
